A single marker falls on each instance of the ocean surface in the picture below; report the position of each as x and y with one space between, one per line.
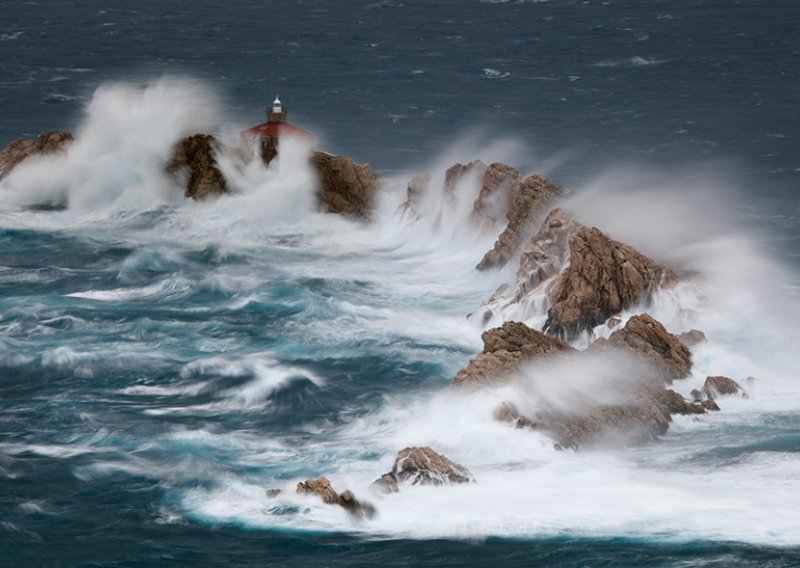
164 362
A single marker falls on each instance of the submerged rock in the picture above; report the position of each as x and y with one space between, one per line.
604 277
322 488
422 466
194 159
20 149
505 348
346 187
531 199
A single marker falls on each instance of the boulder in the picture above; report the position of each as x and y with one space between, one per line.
423 466
692 337
722 386
604 278
505 348
531 199
322 488
194 159
667 356
20 149
346 187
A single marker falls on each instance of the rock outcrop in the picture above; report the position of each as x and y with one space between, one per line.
346 187
664 352
657 358
505 348
20 149
531 199
422 466
324 490
722 386
604 278
194 158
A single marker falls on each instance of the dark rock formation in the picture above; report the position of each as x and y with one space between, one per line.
505 348
422 466
722 386
647 338
20 149
531 199
346 187
323 489
604 278
195 158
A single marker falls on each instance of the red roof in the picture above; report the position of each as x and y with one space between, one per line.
276 129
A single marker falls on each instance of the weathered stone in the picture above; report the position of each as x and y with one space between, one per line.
722 386
323 489
604 278
531 200
647 338
346 187
692 337
20 149
272 493
386 483
320 487
456 173
498 186
195 158
423 466
505 348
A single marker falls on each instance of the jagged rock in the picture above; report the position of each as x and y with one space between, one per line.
456 172
531 199
346 188
386 483
322 488
505 348
507 412
604 278
692 337
20 149
722 386
195 158
669 358
547 252
423 466
497 190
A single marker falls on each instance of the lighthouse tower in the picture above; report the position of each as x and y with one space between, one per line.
276 115
269 133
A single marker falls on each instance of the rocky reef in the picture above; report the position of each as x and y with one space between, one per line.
345 187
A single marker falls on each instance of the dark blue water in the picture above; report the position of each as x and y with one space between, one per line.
161 365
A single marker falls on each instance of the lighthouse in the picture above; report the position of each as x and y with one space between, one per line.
276 127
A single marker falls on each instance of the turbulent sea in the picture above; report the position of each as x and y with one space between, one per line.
164 362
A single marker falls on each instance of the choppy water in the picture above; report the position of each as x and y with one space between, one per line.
163 362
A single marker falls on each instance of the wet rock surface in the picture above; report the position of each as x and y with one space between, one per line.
664 352
531 199
604 277
422 466
505 348
722 386
194 161
346 187
20 149
322 488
